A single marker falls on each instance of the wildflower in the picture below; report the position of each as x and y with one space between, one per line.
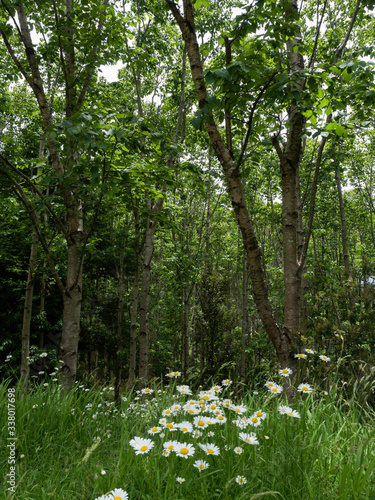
184 450
284 409
210 449
201 422
248 438
255 393
241 480
141 445
226 382
227 403
170 445
306 388
238 450
300 355
180 480
177 374
255 421
325 358
103 472
117 494
8 357
211 434
294 413
147 391
197 434
226 447
43 355
166 452
241 423
168 412
184 389
192 409
276 389
240 409
185 426
45 384
41 373
171 426
269 384
260 414
217 389
309 351
155 430
285 372
201 465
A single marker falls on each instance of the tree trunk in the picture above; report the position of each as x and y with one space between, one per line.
134 305
27 314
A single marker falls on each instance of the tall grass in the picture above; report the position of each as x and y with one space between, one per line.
76 446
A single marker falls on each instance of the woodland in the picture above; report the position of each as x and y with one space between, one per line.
210 210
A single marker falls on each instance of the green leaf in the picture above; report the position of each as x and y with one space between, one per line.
222 72
324 102
340 130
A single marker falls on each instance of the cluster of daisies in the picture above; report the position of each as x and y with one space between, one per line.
198 419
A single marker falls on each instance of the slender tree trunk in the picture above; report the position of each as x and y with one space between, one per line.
344 237
245 322
134 304
27 314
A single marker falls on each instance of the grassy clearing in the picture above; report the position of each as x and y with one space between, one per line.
77 446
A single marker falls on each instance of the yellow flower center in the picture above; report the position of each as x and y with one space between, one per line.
117 498
154 429
259 413
254 420
170 426
285 370
220 417
171 447
238 410
274 389
192 411
210 451
167 412
201 466
184 429
144 448
305 389
184 451
201 422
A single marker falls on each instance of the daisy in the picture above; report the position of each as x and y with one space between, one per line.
210 449
238 450
43 355
217 389
300 355
248 438
185 426
227 403
147 391
260 414
155 430
171 426
285 372
276 389
166 452
241 480
170 445
117 494
309 351
141 445
184 389
226 382
241 423
192 409
294 413
284 409
240 409
324 358
201 422
184 450
180 480
306 388
255 421
211 434
201 465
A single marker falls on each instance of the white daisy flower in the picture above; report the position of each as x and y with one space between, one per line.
202 422
141 445
324 358
285 372
210 449
248 438
240 409
294 414
201 465
309 351
300 355
185 426
238 450
305 388
184 450
180 479
276 389
226 382
117 494
241 480
284 409
170 445
147 391
154 430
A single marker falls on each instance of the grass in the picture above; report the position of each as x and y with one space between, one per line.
77 447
